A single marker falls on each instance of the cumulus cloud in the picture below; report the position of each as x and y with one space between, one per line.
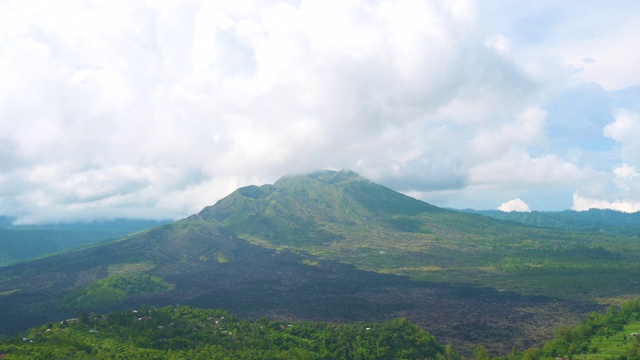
158 109
514 205
620 188
491 143
581 203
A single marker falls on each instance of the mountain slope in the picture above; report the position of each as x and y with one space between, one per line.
341 216
211 268
301 210
325 246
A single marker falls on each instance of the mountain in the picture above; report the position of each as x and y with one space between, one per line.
596 220
341 216
333 246
25 242
300 210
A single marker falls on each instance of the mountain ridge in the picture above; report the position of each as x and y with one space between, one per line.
600 220
25 242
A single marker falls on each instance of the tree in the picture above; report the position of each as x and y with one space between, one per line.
481 353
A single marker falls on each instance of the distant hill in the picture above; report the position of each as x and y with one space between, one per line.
333 246
595 220
24 242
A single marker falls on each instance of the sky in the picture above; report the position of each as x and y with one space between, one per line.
156 109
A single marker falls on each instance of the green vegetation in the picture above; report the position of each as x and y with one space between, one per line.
183 332
593 220
113 289
340 216
612 335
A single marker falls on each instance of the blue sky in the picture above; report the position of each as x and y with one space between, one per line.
156 109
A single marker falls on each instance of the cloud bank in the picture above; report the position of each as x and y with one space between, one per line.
157 109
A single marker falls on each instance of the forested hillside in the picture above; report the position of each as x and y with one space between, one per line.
613 334
593 220
190 333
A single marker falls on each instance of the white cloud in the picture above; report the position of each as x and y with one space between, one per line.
517 169
492 143
581 203
608 60
593 40
620 188
498 158
514 205
160 108
625 130
626 177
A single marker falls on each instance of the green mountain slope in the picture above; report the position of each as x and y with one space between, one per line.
328 246
304 210
341 216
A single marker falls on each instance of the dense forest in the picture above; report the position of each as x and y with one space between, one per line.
183 332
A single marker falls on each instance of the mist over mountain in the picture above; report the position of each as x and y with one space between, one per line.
25 242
